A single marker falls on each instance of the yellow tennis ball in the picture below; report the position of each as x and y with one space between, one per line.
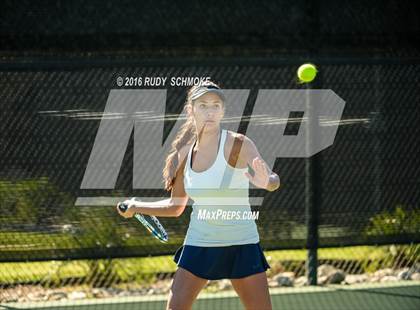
306 73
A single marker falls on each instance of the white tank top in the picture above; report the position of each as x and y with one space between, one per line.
221 209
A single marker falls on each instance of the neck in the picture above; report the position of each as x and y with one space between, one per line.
208 137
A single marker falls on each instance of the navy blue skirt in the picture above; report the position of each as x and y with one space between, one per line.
225 262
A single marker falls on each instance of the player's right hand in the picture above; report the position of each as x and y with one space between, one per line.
130 210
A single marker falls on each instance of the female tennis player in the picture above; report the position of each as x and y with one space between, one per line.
210 165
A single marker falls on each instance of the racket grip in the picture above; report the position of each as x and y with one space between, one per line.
122 207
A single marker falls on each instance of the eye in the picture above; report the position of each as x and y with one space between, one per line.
202 105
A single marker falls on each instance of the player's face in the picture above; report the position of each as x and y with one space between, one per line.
208 111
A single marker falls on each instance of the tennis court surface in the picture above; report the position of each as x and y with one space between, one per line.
397 295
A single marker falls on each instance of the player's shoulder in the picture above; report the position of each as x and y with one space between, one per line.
242 146
235 135
239 138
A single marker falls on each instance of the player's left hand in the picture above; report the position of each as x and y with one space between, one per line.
261 173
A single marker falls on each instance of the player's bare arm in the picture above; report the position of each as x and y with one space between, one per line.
172 207
263 176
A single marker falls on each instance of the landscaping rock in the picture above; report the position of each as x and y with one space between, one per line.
325 270
77 295
56 295
322 280
388 279
224 285
283 280
300 281
336 277
37 296
404 274
328 274
384 272
356 278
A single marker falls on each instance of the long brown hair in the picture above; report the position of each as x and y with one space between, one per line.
187 134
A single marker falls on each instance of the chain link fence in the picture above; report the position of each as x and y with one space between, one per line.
57 69
369 220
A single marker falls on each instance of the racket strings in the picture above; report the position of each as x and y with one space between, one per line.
154 226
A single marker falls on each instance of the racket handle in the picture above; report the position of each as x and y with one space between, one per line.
122 207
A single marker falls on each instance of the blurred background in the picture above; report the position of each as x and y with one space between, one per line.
348 217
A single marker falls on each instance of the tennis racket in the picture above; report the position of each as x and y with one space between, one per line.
151 223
